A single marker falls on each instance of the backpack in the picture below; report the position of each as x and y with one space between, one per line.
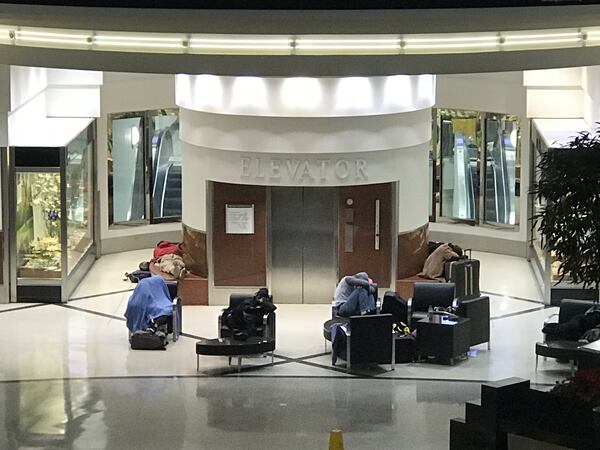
138 275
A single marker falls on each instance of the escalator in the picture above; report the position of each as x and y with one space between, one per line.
170 201
500 177
166 174
465 178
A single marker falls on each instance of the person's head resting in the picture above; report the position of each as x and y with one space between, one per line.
456 249
362 276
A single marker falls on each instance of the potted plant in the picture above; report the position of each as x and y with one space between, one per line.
569 223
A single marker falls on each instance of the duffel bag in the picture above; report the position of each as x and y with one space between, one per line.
146 340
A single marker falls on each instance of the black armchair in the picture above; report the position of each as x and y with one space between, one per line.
557 347
369 339
429 294
477 310
267 329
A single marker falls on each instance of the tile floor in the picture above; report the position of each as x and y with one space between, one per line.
69 380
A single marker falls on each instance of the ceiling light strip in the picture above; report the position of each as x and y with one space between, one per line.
446 43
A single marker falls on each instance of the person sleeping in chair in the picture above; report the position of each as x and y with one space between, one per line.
354 295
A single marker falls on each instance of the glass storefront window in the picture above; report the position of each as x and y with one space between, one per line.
476 175
38 225
79 198
144 167
459 149
166 167
126 169
500 171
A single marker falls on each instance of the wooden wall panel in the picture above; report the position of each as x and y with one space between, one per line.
239 259
356 244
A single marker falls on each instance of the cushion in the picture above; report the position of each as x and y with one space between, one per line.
412 251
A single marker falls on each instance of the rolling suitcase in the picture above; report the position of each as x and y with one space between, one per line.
464 274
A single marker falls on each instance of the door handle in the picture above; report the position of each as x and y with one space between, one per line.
377 214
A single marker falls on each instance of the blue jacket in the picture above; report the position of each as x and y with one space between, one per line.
150 299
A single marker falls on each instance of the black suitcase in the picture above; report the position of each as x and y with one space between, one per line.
464 273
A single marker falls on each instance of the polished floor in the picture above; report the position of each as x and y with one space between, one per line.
69 380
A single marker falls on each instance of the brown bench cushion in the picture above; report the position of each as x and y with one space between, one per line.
413 250
404 287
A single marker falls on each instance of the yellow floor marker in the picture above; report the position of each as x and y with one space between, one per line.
336 440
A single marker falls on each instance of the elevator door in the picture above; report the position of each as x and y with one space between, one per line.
303 244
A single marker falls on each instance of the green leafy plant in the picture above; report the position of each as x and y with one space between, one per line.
569 223
44 253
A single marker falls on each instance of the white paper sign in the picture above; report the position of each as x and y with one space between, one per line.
239 219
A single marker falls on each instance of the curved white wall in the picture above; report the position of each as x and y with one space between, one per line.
356 131
305 135
305 96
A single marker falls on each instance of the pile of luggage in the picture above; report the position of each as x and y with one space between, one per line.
168 258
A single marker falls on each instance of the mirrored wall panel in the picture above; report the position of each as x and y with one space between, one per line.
126 169
475 178
459 144
79 197
144 167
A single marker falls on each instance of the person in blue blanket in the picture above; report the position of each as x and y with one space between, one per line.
149 305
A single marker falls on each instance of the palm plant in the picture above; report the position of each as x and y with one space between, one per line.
569 221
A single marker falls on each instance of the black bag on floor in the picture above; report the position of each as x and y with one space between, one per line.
147 340
406 348
464 273
138 275
393 304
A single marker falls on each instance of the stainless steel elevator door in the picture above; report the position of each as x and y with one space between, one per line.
303 244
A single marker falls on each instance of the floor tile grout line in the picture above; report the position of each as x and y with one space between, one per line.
85 297
89 311
510 297
518 313
20 308
204 376
122 319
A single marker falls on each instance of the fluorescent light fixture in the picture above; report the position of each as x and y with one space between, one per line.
139 42
352 44
450 43
249 44
47 38
541 39
303 45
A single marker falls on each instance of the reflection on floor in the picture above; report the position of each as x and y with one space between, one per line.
71 381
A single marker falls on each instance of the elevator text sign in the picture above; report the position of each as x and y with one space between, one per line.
304 171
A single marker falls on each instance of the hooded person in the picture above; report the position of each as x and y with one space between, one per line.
354 295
